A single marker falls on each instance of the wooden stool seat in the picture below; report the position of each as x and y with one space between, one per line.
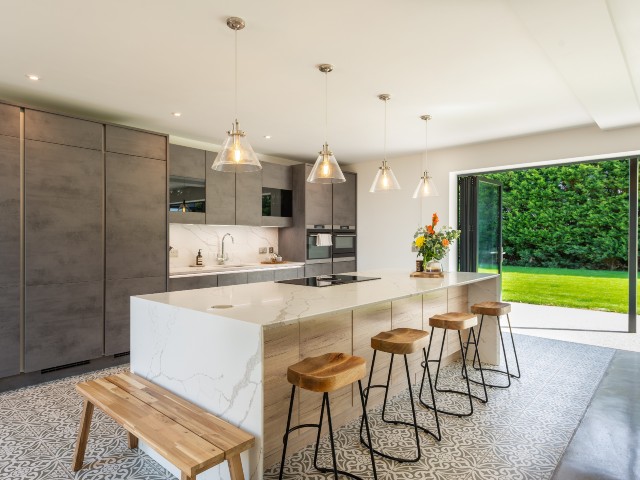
453 320
494 309
400 341
328 372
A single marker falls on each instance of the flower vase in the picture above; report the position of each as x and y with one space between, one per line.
432 266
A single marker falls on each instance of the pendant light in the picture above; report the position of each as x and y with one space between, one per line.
236 154
326 168
385 180
426 187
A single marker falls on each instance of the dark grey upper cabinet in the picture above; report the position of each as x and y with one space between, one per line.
9 330
117 309
9 120
318 202
276 176
10 208
63 214
344 200
63 324
135 142
186 162
48 127
221 195
136 217
249 198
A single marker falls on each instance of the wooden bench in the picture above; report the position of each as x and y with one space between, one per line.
187 436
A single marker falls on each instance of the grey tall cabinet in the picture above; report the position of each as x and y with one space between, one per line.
63 204
9 240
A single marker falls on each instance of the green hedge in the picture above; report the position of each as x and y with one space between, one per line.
573 216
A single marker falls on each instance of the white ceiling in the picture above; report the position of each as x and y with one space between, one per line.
483 69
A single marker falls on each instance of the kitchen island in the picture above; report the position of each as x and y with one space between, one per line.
227 349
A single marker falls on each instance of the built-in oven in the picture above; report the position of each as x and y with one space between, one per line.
319 242
344 243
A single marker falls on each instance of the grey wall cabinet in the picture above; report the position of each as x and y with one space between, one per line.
288 273
221 195
117 308
315 269
262 276
232 279
9 240
192 283
344 267
187 162
63 214
135 142
249 198
344 200
63 211
276 176
318 202
136 212
63 324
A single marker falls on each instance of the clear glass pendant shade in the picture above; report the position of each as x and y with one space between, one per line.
385 180
426 187
236 154
326 168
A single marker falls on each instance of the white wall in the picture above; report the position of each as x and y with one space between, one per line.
387 221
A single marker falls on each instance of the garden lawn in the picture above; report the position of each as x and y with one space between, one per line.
589 289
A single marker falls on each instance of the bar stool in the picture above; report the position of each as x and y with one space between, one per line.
324 374
455 321
400 341
496 309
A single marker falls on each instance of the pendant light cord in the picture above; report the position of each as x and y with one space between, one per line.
326 106
236 73
426 136
385 130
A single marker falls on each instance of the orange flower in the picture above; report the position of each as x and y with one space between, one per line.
430 230
435 219
445 242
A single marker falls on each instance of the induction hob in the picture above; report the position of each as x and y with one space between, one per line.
327 280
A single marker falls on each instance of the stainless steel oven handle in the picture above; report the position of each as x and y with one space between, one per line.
344 234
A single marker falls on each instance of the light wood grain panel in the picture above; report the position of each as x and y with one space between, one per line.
407 313
281 349
457 301
432 304
328 333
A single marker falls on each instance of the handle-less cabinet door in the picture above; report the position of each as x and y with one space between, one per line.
277 176
318 200
117 309
344 267
136 228
249 198
63 214
63 324
221 195
344 200
192 283
9 330
186 162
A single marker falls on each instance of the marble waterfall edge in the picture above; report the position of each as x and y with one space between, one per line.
182 350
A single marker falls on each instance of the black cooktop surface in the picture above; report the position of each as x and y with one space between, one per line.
327 280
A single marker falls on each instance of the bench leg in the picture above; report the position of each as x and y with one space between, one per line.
235 468
184 476
83 435
132 440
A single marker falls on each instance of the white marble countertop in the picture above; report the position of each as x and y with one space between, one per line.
176 272
271 303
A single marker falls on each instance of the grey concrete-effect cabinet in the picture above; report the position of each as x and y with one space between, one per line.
315 269
191 283
221 195
63 214
63 232
318 202
9 240
261 276
344 201
135 142
187 162
288 273
278 176
237 278
63 324
117 308
344 267
249 198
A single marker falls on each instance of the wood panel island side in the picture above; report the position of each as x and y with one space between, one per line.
227 349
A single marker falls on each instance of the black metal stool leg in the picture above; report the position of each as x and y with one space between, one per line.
286 433
513 344
315 453
477 354
366 423
427 373
333 445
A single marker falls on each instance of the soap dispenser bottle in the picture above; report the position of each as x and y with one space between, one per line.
199 259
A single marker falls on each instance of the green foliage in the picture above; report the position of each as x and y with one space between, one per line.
587 289
572 216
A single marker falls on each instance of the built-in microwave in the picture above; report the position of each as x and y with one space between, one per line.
344 244
318 253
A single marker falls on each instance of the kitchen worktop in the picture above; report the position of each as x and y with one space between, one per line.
271 303
177 272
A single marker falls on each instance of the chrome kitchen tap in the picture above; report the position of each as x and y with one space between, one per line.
223 257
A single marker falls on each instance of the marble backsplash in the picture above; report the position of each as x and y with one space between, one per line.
188 239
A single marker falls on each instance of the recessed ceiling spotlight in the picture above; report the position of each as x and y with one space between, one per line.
268 137
176 114
33 77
